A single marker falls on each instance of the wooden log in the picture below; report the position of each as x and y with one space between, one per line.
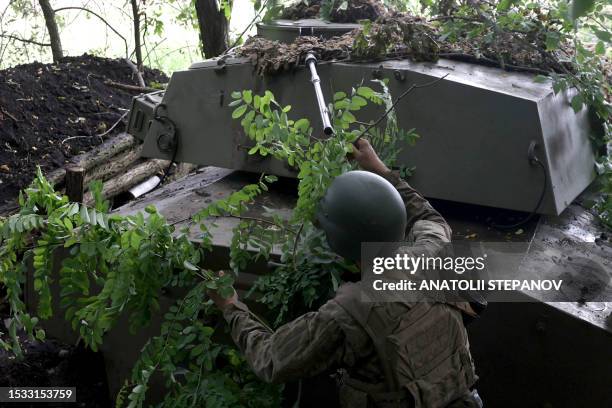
102 153
115 166
75 183
56 177
95 157
130 178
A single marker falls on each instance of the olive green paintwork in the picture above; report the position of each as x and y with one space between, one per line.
476 126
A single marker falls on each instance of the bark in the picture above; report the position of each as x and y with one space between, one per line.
130 178
114 166
75 184
137 37
54 37
95 157
128 87
104 152
214 28
136 72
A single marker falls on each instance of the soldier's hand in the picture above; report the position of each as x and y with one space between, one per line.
220 301
366 157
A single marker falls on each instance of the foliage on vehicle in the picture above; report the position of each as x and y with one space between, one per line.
111 266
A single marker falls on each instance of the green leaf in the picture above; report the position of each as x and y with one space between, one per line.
600 48
577 103
68 224
358 101
239 111
197 350
302 124
84 214
581 8
40 335
365 91
541 79
348 117
605 36
552 40
226 292
190 266
339 96
247 96
505 4
135 240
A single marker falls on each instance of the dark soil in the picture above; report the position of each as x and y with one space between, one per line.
42 105
51 364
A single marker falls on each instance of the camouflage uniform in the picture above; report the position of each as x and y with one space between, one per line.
435 369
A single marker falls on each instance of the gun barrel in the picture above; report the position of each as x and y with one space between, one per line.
311 61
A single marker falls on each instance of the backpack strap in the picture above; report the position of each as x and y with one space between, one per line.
356 303
349 297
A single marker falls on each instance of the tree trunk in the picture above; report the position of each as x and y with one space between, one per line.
214 27
137 38
54 37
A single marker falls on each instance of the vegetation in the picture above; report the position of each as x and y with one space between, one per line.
116 266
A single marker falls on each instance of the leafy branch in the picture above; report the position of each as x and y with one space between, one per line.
115 266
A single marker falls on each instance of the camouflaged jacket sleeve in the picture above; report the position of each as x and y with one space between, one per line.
304 347
425 225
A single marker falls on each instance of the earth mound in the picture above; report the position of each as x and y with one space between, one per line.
51 112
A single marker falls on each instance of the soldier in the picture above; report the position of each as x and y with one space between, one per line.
390 354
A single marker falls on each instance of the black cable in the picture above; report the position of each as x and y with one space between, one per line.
175 143
172 160
533 213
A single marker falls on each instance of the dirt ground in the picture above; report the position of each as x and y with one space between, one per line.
51 364
51 112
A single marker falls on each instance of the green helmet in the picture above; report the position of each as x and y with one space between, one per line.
360 206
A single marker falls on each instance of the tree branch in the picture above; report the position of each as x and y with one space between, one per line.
127 87
295 244
54 36
25 40
399 98
136 72
101 18
127 52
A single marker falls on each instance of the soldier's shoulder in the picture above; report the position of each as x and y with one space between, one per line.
349 294
350 298
348 289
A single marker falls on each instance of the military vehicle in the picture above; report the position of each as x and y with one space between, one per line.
481 128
